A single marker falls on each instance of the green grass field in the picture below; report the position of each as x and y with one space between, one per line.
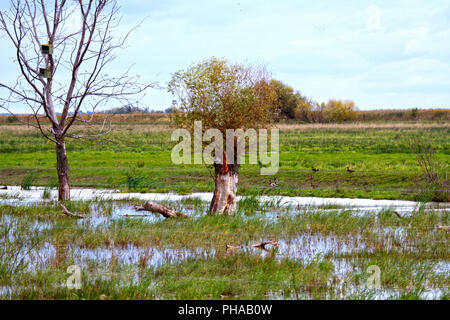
137 156
323 253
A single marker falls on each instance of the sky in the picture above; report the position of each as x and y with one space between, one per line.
380 54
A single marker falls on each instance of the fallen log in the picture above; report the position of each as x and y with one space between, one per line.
157 208
261 245
68 213
3 188
445 228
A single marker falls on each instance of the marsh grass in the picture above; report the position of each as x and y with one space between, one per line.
137 157
436 182
323 252
28 180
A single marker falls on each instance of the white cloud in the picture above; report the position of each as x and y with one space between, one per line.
74 21
378 55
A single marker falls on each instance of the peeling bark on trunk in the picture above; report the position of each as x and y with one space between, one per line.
226 180
62 166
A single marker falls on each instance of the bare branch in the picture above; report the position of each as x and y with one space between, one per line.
74 65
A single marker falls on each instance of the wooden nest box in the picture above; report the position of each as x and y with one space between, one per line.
45 72
46 49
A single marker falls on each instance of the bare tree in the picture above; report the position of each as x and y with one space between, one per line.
62 49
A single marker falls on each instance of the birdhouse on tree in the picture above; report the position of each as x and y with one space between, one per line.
46 49
45 72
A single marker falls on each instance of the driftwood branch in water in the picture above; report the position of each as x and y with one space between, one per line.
164 211
398 214
68 213
261 245
445 228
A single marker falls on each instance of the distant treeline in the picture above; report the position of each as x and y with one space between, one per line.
413 114
162 118
293 106
131 109
136 117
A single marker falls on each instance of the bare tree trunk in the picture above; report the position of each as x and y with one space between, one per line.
226 180
62 166
34 25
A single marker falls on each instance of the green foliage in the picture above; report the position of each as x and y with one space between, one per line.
11 119
222 95
286 99
291 104
135 179
140 164
339 111
249 205
46 193
304 111
28 180
435 180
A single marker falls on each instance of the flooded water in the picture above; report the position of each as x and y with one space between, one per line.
14 193
106 255
305 247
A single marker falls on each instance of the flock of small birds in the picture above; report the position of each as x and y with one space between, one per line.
348 169
274 183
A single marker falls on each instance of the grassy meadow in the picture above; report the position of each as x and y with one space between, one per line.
136 156
323 252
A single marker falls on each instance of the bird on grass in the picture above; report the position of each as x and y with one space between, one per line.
311 179
350 170
315 169
365 188
274 183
